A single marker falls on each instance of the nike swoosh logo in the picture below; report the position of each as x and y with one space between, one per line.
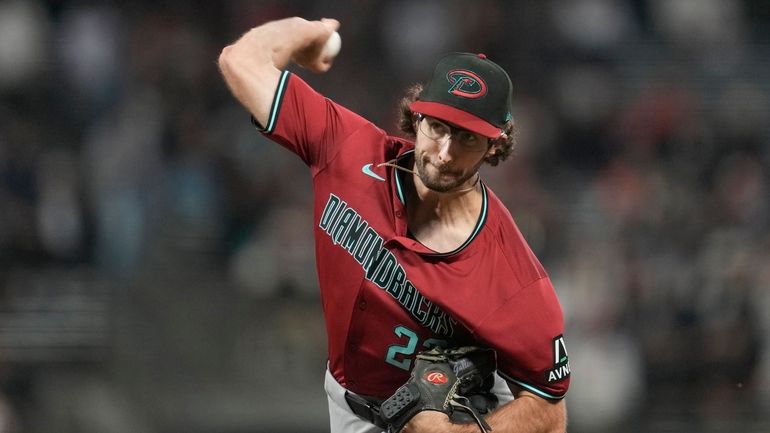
367 170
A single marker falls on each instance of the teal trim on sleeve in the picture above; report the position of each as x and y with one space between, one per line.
531 388
275 108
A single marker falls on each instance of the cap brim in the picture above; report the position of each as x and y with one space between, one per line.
457 117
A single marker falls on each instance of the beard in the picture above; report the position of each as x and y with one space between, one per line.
442 179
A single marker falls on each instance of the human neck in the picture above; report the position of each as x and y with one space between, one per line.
443 221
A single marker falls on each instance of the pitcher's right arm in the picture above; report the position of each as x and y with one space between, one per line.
252 65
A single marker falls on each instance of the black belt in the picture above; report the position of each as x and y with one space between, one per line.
366 408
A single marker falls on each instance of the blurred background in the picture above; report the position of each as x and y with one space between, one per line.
156 258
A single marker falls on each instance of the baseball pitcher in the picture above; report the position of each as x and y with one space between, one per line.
439 317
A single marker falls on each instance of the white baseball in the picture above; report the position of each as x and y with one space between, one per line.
332 47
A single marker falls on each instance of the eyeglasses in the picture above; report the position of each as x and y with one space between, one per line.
439 131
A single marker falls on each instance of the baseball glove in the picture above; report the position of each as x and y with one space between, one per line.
456 381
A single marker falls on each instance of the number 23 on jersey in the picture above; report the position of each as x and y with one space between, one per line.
400 355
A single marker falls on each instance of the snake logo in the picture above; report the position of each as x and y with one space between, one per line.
436 377
466 84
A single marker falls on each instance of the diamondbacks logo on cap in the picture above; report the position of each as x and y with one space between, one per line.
466 84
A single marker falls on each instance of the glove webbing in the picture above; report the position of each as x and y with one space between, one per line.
468 408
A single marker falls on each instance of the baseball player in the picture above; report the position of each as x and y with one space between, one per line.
413 249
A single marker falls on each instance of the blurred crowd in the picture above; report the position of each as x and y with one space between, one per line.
133 186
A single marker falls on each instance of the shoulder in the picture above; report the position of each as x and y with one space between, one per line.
503 236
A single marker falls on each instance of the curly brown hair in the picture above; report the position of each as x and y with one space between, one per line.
506 143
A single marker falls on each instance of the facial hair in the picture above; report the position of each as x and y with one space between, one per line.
437 181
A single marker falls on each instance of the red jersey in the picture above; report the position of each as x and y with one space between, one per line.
386 296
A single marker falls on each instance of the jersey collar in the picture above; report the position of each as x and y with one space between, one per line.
410 243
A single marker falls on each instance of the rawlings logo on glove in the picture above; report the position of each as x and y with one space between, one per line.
436 377
456 381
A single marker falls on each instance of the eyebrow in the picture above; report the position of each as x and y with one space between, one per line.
453 129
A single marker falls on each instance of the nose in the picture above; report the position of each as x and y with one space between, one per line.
445 149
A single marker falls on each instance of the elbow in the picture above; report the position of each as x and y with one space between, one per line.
225 59
250 51
232 63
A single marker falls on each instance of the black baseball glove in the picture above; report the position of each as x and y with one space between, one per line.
456 381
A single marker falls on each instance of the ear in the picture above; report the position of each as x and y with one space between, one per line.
496 144
493 148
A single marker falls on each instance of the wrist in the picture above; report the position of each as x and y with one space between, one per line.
431 421
464 428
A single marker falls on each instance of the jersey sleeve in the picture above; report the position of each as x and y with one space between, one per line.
527 331
307 123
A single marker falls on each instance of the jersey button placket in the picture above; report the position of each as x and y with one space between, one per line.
400 220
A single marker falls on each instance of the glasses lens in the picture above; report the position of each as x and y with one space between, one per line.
439 131
434 129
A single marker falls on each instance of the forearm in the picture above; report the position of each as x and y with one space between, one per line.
277 42
252 65
529 414
526 414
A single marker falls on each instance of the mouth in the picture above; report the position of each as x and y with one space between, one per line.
441 169
445 172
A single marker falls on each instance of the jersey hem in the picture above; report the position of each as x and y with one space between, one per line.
531 388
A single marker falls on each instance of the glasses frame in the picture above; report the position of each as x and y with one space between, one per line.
480 143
